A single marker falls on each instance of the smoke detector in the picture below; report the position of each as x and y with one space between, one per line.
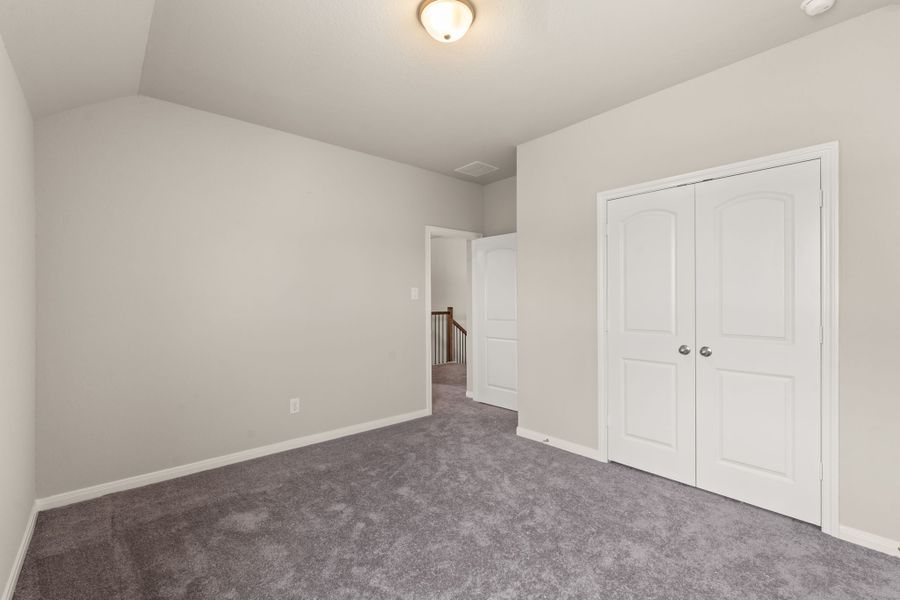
476 169
815 7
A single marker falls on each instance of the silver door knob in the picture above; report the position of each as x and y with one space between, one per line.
705 351
683 349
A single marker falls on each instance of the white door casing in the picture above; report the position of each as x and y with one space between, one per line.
754 263
651 316
759 314
494 310
827 156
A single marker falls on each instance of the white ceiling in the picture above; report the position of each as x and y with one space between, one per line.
73 52
363 74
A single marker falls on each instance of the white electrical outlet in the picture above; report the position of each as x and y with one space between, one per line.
295 405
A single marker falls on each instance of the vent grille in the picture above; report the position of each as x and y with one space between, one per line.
476 169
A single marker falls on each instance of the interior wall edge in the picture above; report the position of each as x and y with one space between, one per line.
17 321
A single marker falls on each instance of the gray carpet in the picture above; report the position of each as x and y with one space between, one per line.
450 506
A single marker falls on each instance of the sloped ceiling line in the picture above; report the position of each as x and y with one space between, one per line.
364 75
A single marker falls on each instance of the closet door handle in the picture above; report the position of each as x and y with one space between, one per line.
684 349
705 351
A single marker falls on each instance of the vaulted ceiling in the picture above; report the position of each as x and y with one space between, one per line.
363 73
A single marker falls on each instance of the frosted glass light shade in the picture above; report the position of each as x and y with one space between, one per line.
446 20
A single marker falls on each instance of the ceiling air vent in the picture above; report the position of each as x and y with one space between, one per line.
476 169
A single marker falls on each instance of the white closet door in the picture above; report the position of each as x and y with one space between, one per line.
651 315
496 325
758 319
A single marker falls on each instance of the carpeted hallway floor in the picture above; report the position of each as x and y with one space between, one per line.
450 506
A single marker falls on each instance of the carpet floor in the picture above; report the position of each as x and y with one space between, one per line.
449 506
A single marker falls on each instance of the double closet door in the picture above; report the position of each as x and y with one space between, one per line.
714 310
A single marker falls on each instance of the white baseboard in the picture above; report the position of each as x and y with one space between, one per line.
121 485
13 578
578 449
869 540
470 395
848 534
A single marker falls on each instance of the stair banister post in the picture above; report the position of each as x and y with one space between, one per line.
450 334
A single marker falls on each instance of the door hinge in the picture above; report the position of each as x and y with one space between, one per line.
821 334
821 198
821 472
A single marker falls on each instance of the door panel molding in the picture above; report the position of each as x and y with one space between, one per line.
827 155
728 327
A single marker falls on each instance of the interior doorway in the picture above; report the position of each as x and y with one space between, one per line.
448 310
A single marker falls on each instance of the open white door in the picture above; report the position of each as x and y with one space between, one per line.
495 344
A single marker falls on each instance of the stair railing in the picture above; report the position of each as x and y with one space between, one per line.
448 338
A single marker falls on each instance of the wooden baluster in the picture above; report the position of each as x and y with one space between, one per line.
449 334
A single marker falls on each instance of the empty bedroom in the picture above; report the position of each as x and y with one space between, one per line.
450 299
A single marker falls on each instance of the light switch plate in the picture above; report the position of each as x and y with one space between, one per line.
414 293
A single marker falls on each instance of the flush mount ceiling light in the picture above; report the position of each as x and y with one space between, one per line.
446 20
815 7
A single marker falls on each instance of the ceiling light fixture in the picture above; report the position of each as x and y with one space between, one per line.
446 20
816 7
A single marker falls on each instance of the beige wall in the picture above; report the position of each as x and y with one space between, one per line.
17 307
839 84
450 281
500 207
197 272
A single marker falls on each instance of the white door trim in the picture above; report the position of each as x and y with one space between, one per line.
432 232
827 154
